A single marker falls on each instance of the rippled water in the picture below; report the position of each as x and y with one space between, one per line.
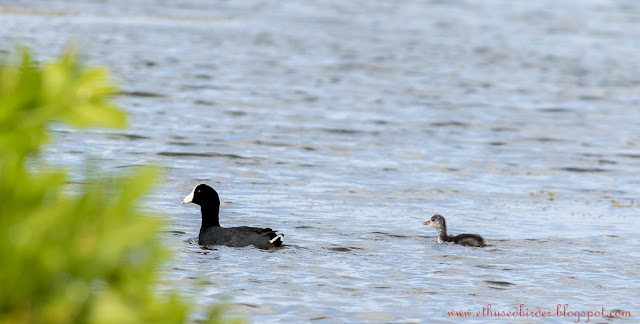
347 125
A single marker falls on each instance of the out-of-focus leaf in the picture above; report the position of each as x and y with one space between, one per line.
88 257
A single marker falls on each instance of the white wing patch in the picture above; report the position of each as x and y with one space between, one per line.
278 237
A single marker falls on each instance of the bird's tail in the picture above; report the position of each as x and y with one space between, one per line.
277 240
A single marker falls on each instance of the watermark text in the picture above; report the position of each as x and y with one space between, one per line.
561 310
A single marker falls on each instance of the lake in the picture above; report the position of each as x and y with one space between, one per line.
346 125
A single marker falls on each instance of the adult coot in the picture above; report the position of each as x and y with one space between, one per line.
438 222
212 234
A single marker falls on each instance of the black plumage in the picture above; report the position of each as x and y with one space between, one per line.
211 233
438 222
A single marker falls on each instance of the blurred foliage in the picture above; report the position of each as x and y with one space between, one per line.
87 257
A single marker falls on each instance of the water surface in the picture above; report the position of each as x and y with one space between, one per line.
347 125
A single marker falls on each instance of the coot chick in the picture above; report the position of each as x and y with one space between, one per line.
211 233
438 222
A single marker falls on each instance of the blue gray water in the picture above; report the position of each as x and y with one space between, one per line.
345 125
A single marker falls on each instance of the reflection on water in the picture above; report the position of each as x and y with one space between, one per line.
347 125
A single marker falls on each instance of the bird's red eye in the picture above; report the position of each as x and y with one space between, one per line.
198 191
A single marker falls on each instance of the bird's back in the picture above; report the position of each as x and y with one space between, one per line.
469 240
263 238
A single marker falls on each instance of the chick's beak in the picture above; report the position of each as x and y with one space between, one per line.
427 223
